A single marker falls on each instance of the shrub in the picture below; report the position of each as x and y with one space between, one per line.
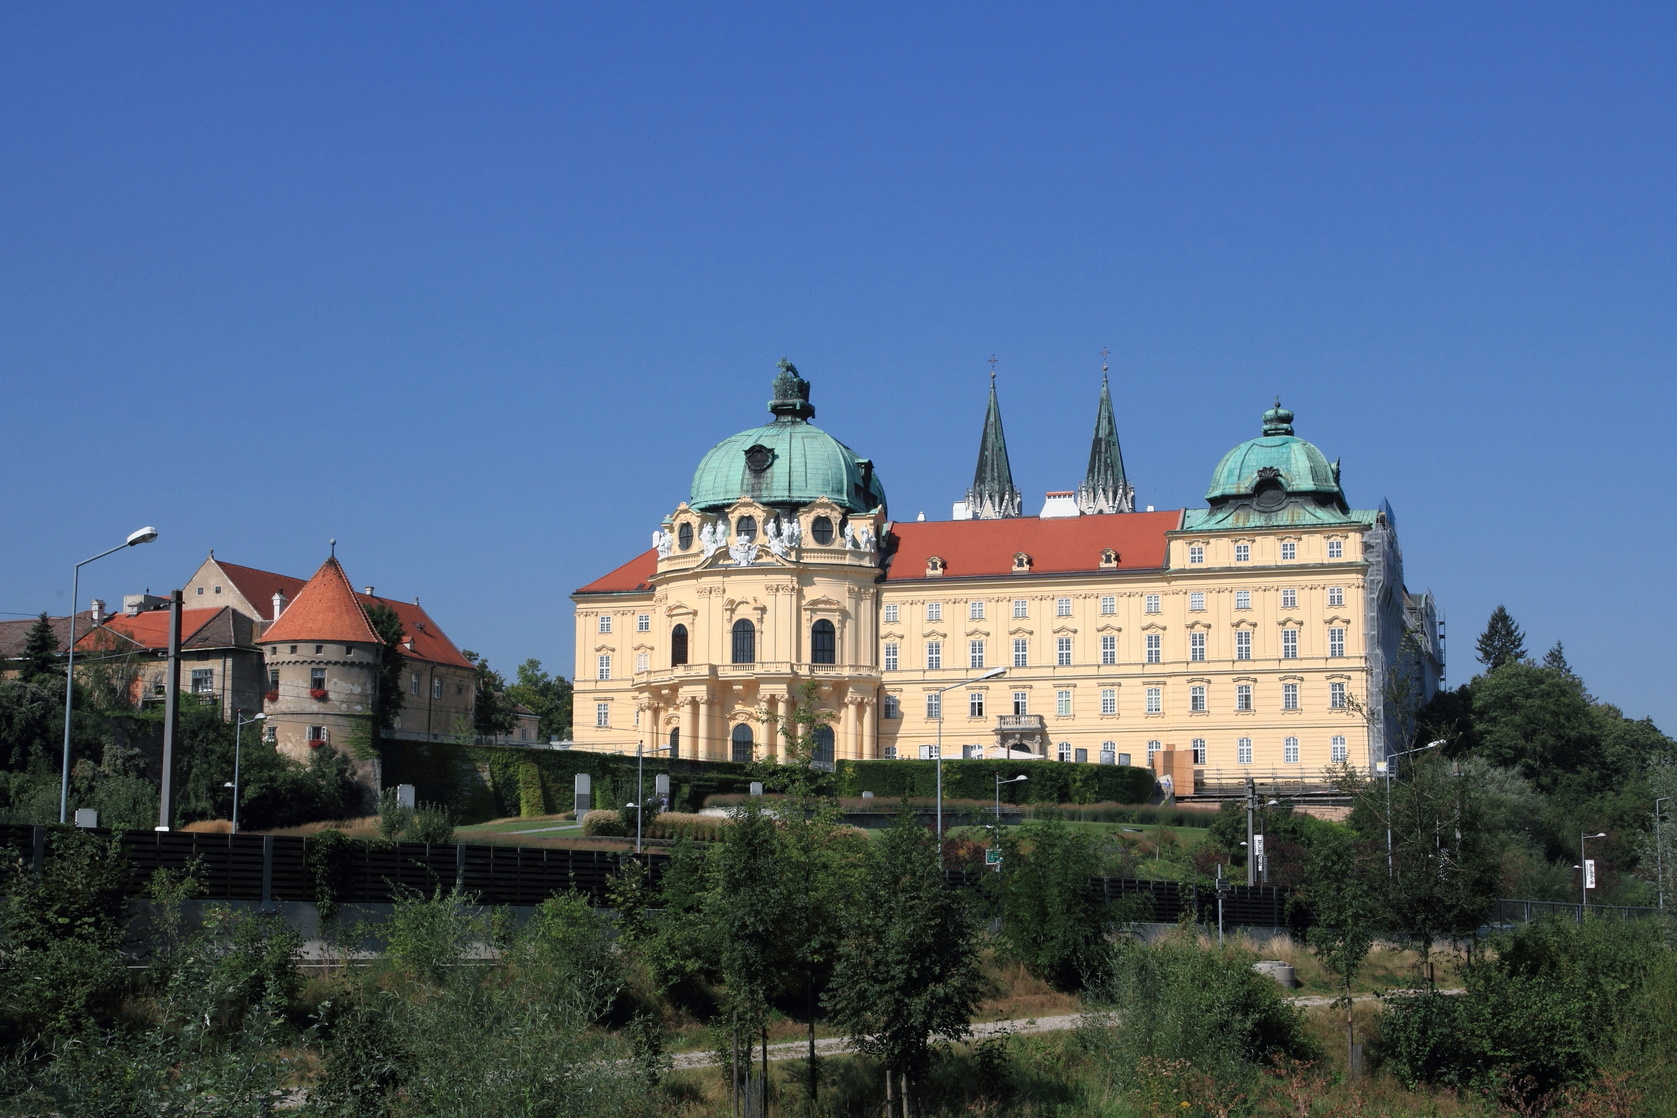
603 824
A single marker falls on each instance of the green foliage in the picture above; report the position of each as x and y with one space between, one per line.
325 853
549 696
1502 642
752 912
1344 895
40 651
1051 920
424 822
492 707
531 801
388 626
975 780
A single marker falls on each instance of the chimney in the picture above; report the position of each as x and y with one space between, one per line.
367 590
279 603
97 611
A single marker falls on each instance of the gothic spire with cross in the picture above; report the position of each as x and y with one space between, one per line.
1105 488
992 496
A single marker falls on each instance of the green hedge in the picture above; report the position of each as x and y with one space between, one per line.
1051 782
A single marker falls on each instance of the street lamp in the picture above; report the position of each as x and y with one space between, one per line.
1659 854
640 786
1584 871
239 723
1390 869
144 535
991 674
999 783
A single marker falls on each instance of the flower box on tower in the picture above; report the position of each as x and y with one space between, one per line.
317 693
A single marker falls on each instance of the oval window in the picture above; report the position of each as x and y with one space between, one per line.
822 529
684 536
745 528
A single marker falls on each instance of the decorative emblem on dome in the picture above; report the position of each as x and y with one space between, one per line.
758 458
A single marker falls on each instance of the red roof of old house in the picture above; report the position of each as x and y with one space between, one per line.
975 548
421 638
258 586
149 630
636 574
327 608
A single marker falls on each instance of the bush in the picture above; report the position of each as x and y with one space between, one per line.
603 824
1050 783
1051 920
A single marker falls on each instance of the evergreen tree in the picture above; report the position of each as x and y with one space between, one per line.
492 713
388 626
1502 642
40 651
1555 660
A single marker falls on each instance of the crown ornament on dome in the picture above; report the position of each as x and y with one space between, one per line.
1278 420
791 394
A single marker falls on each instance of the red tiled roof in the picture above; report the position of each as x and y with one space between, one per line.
636 574
15 634
149 630
326 609
258 586
421 638
971 548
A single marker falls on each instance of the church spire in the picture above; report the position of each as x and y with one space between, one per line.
992 496
1105 488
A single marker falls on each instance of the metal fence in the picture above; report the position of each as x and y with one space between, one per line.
1505 911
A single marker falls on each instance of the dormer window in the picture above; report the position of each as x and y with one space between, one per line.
745 528
1196 553
934 567
1109 557
1021 562
1289 550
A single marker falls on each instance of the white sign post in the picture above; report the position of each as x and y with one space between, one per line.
1589 873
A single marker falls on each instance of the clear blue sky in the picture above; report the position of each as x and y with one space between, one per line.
473 287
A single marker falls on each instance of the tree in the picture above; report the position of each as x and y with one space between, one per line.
1535 720
549 696
1555 660
908 968
1052 921
492 708
388 626
1342 890
1502 642
40 651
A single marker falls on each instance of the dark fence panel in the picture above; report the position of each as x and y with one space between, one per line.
1504 911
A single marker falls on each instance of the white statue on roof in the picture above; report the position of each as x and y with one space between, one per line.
711 537
662 541
783 536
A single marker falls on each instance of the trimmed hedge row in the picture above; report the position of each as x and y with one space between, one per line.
1051 782
668 825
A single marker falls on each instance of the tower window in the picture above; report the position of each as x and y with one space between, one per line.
317 679
678 646
823 643
745 642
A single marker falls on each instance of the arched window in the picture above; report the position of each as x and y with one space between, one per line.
745 642
675 741
678 646
823 754
742 744
823 643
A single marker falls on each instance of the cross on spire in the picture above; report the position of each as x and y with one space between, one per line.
992 368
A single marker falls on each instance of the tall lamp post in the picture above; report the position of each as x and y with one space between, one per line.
144 535
991 674
999 783
640 786
239 723
1659 854
1390 869
1584 868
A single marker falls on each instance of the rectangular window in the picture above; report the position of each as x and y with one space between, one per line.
1109 605
1062 651
1021 652
317 679
1065 751
1109 700
975 704
1109 648
436 688
892 708
1336 595
1155 700
1336 642
643 661
413 683
1062 607
975 611
1243 696
1336 695
1289 599
1243 751
1336 549
891 613
1062 703
1243 599
605 623
891 657
1196 601
1242 552
1289 696
203 681
1290 751
934 611
1151 604
270 734
1196 645
1289 550
1289 644
1152 748
1196 553
602 716
1199 751
643 623
1196 698
1337 753
1243 644
934 707
975 654
1021 607
1021 703
1155 648
273 680
604 666
934 655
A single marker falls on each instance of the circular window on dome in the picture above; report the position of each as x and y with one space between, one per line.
684 536
758 458
746 528
1269 495
822 529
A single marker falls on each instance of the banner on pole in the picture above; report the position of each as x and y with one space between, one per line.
1589 873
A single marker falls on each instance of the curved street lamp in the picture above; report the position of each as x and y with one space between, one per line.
991 674
143 535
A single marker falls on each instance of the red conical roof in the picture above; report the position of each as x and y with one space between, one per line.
326 609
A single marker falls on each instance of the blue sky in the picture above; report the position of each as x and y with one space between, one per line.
472 288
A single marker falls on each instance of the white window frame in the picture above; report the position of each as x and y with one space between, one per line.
1243 696
1109 700
1153 747
975 704
1109 605
892 707
1336 641
975 610
203 681
934 656
1290 751
1155 644
1197 698
975 654
1336 695
1243 599
413 683
1243 644
602 667
1062 607
436 688
1021 703
643 623
1289 644
605 623
1062 704
1152 603
1336 596
643 662
1289 696
1289 599
934 707
891 656
1336 549
1243 751
1242 553
602 716
891 613
1196 554
1196 601
1021 652
1198 746
1196 646
1338 753
934 611
1062 652
1109 648
1289 550
1021 607
1155 700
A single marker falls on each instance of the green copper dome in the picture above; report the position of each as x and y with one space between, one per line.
787 462
1274 467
